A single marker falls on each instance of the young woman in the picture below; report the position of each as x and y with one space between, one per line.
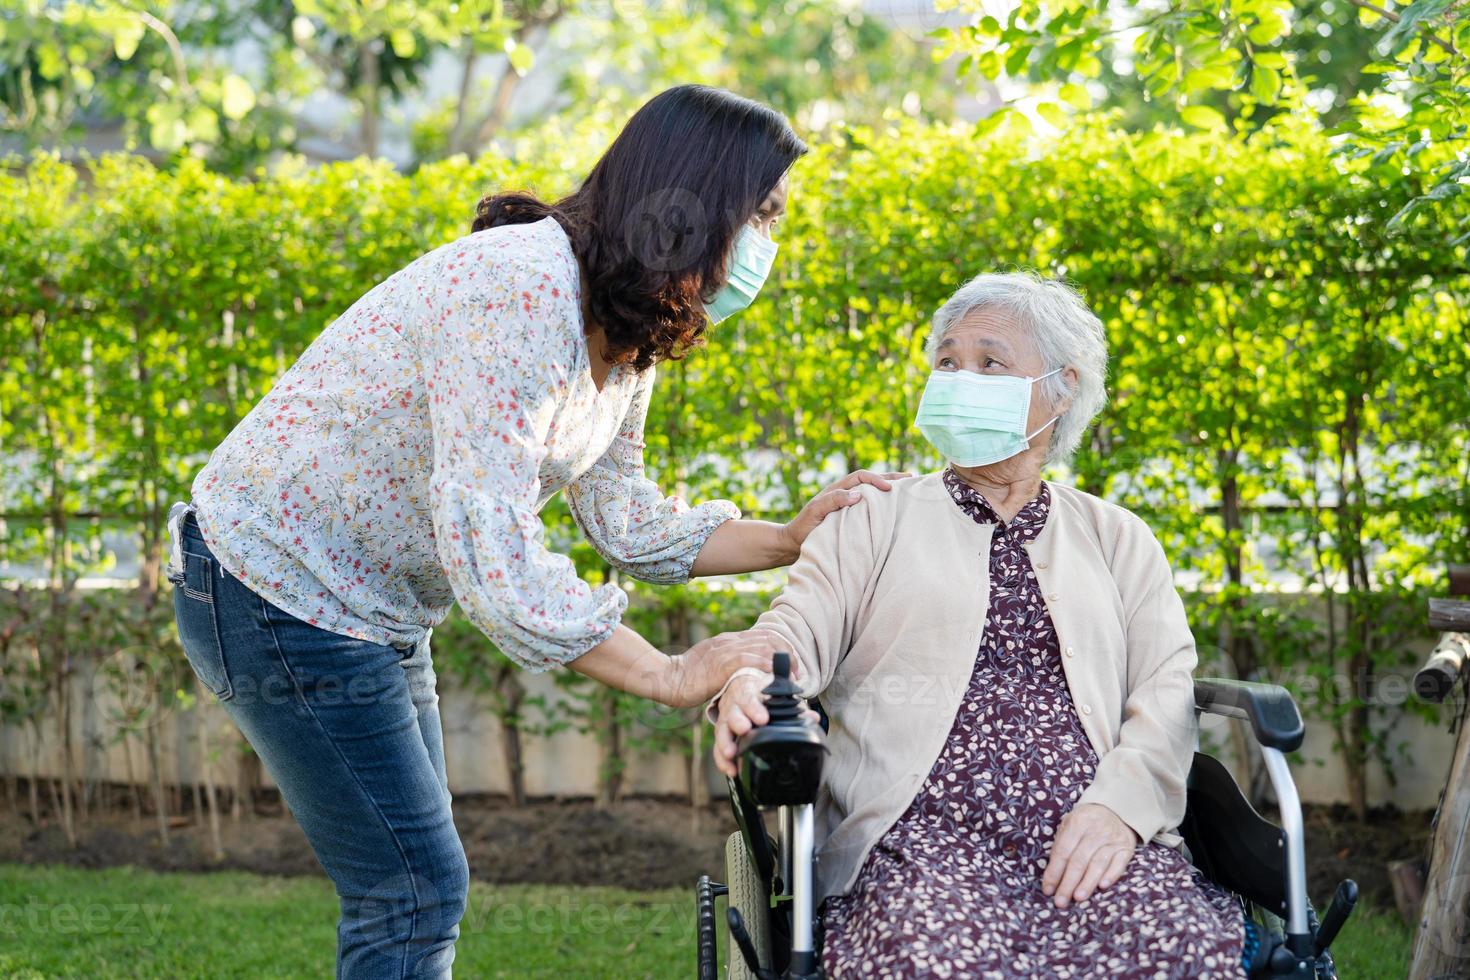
399 466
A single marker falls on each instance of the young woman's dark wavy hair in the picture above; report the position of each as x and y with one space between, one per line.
654 222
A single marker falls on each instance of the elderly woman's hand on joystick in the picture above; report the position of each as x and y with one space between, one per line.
743 707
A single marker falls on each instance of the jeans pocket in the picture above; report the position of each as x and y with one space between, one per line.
194 610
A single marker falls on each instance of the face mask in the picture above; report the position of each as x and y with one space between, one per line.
977 419
749 266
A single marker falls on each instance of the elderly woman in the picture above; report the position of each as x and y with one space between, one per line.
1007 670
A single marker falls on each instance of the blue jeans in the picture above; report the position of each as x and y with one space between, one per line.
350 732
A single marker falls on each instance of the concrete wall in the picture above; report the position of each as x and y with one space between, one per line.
567 764
564 764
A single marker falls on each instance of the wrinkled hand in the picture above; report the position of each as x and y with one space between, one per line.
1092 848
695 675
841 494
742 707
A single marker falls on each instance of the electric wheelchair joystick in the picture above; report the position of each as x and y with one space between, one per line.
781 761
781 768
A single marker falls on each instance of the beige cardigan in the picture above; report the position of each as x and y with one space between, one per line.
885 611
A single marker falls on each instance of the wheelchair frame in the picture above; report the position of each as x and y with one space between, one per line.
1232 845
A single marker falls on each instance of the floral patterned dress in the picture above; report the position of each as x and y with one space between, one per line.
953 888
401 463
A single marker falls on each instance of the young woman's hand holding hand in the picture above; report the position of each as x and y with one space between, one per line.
698 674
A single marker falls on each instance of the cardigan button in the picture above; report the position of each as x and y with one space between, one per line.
1051 597
1041 564
1071 652
1087 709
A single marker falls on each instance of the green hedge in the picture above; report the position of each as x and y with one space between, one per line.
1289 383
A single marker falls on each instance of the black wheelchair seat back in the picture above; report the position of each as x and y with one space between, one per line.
1232 844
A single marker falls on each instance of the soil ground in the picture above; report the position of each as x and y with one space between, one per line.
638 843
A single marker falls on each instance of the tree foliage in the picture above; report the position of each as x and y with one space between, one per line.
229 82
1249 57
1288 387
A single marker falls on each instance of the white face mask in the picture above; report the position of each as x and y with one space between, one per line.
977 419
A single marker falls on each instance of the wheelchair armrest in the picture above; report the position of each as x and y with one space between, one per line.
1268 707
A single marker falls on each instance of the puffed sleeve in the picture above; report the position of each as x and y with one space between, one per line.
495 364
628 519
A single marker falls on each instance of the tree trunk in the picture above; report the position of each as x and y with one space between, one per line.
1352 547
211 803
505 90
94 777
698 789
64 783
160 798
511 694
1358 735
453 144
137 790
515 769
682 633
244 802
1237 646
528 34
247 779
32 790
59 655
369 93
1407 879
609 733
610 741
1442 944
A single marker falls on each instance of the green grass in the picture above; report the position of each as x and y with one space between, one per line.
1374 944
121 922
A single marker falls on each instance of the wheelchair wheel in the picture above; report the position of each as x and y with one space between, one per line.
748 895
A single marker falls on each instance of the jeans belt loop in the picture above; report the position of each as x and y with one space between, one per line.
176 515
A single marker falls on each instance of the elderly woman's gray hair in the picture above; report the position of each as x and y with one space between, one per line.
1066 332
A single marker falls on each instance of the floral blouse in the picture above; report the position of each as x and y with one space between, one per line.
402 462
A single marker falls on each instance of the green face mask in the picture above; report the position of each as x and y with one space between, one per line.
749 266
977 419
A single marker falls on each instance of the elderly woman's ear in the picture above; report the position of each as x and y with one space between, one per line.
1070 379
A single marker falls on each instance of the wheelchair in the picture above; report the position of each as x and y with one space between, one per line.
772 927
